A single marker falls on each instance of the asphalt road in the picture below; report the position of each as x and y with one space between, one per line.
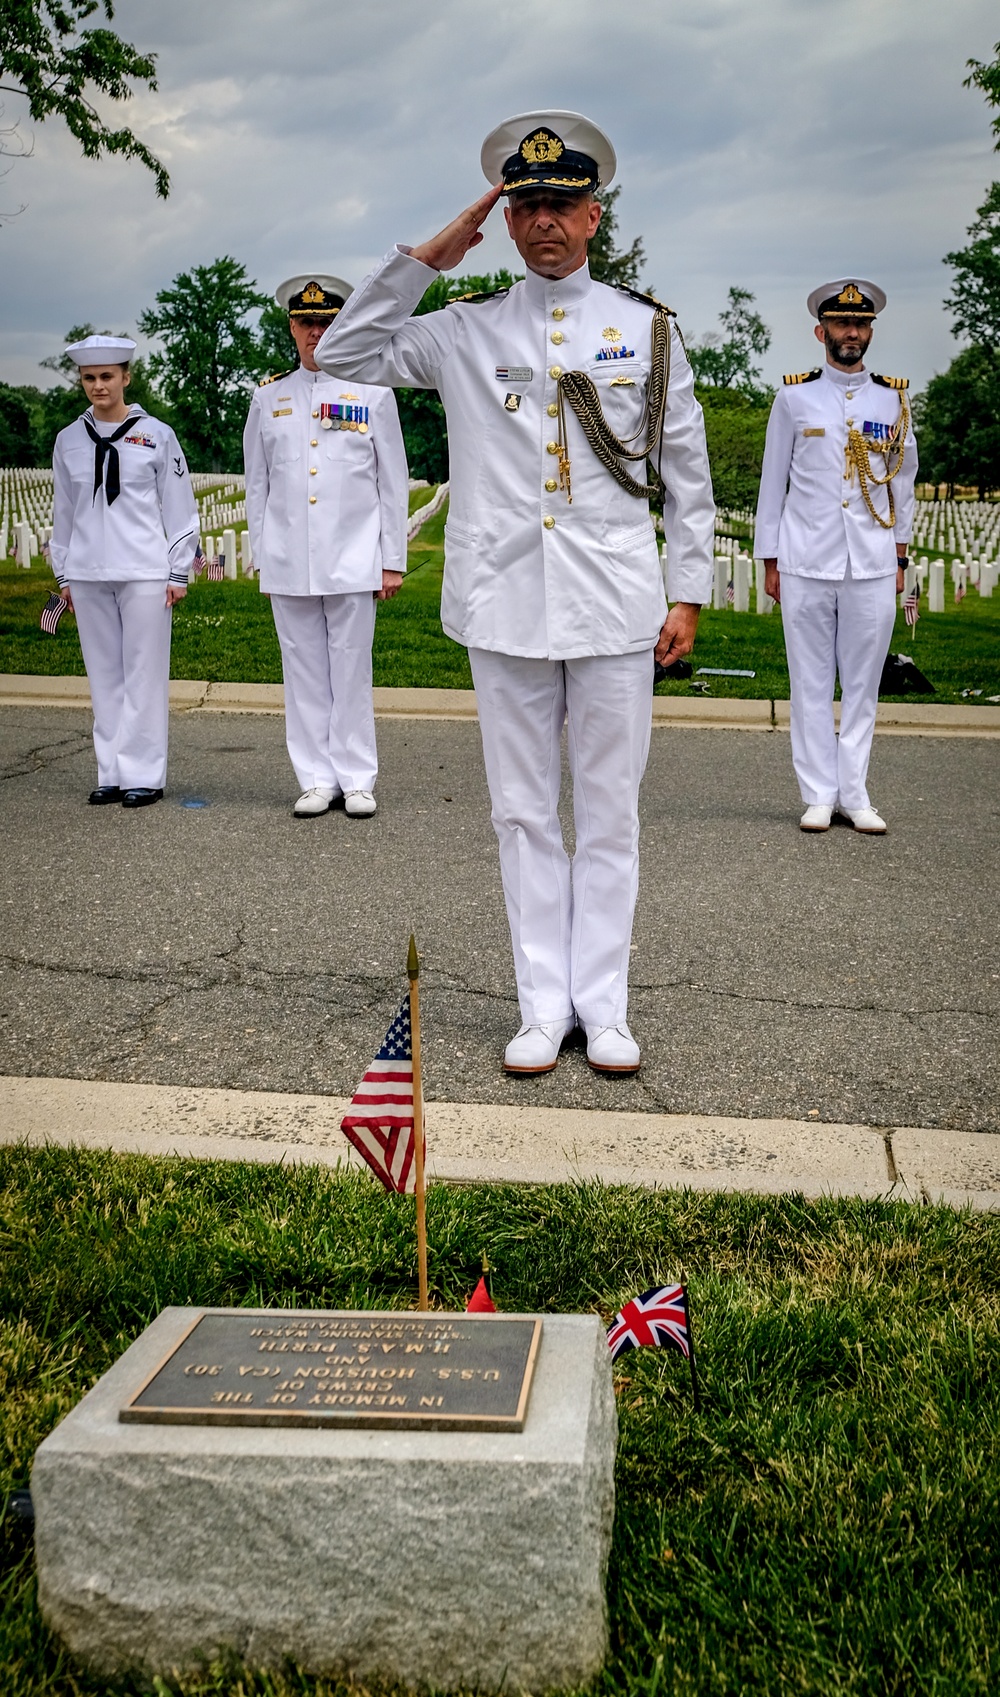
774 974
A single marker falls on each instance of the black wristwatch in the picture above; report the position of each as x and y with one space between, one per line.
902 560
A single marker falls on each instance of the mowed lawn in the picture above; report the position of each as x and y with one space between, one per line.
224 632
827 1524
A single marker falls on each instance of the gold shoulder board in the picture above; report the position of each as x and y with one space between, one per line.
803 376
891 382
487 295
277 375
647 300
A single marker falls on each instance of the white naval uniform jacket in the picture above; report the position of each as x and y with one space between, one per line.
149 533
526 573
326 509
810 516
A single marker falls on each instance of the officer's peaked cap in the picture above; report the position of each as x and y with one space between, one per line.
549 150
849 297
315 296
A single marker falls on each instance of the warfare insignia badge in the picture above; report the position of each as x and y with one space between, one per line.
611 335
512 402
543 148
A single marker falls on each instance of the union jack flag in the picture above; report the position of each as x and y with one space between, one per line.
380 1122
52 612
911 605
658 1318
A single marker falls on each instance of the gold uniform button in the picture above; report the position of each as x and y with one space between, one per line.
312 471
558 312
549 522
552 409
849 394
552 447
845 503
551 485
312 500
315 415
315 442
555 370
557 337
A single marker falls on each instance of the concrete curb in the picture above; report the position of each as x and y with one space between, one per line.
672 711
471 1142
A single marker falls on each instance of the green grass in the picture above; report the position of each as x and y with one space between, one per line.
224 632
828 1524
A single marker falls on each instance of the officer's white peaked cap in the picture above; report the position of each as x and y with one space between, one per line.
312 295
559 150
848 297
102 350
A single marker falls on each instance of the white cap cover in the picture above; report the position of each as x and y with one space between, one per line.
102 350
561 150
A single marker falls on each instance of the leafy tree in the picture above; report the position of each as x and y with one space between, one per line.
975 296
728 360
735 427
17 442
607 264
277 349
49 58
958 422
211 358
987 77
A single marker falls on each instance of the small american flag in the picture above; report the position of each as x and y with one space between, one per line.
52 612
380 1123
911 605
658 1319
960 590
730 592
199 562
216 568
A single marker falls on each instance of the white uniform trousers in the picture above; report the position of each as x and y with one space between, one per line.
570 923
125 636
326 662
833 627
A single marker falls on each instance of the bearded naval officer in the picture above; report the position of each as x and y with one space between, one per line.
124 535
558 392
834 519
327 493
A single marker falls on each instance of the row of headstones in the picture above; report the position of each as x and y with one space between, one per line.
736 574
235 552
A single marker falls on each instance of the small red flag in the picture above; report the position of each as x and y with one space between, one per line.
480 1302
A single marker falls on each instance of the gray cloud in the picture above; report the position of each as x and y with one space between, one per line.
764 146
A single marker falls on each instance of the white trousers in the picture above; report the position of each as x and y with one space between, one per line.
125 636
833 627
570 922
326 662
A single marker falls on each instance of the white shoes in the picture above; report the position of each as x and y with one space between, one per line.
313 803
612 1048
867 820
360 804
816 819
536 1047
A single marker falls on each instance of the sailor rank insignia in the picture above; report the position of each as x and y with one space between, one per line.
891 382
803 376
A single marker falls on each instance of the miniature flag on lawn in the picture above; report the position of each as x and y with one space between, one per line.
380 1121
911 606
52 612
659 1318
481 1302
216 568
960 590
730 592
199 562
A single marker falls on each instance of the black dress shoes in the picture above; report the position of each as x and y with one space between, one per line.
141 798
104 794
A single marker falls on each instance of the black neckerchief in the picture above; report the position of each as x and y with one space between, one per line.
105 446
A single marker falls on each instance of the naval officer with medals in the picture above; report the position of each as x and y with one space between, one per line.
327 493
834 518
566 401
124 535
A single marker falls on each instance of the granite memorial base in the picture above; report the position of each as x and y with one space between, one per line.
445 1558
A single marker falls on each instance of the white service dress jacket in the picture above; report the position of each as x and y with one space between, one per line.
526 572
810 516
150 532
326 507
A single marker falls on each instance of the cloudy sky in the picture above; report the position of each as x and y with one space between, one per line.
772 145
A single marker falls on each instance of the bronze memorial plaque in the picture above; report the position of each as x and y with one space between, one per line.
288 1367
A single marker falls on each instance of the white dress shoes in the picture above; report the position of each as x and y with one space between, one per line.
313 803
867 820
816 819
536 1047
612 1048
360 804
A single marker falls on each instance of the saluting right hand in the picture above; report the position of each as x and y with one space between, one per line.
448 249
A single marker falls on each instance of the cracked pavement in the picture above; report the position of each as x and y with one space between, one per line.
775 974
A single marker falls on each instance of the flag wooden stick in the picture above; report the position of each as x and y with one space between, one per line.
413 972
696 1398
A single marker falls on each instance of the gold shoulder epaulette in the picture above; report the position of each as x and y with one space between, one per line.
277 376
890 382
487 295
803 376
647 300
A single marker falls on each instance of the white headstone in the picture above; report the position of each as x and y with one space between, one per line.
229 550
720 580
935 587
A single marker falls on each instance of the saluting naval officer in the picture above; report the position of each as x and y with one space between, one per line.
327 496
557 392
124 534
834 518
